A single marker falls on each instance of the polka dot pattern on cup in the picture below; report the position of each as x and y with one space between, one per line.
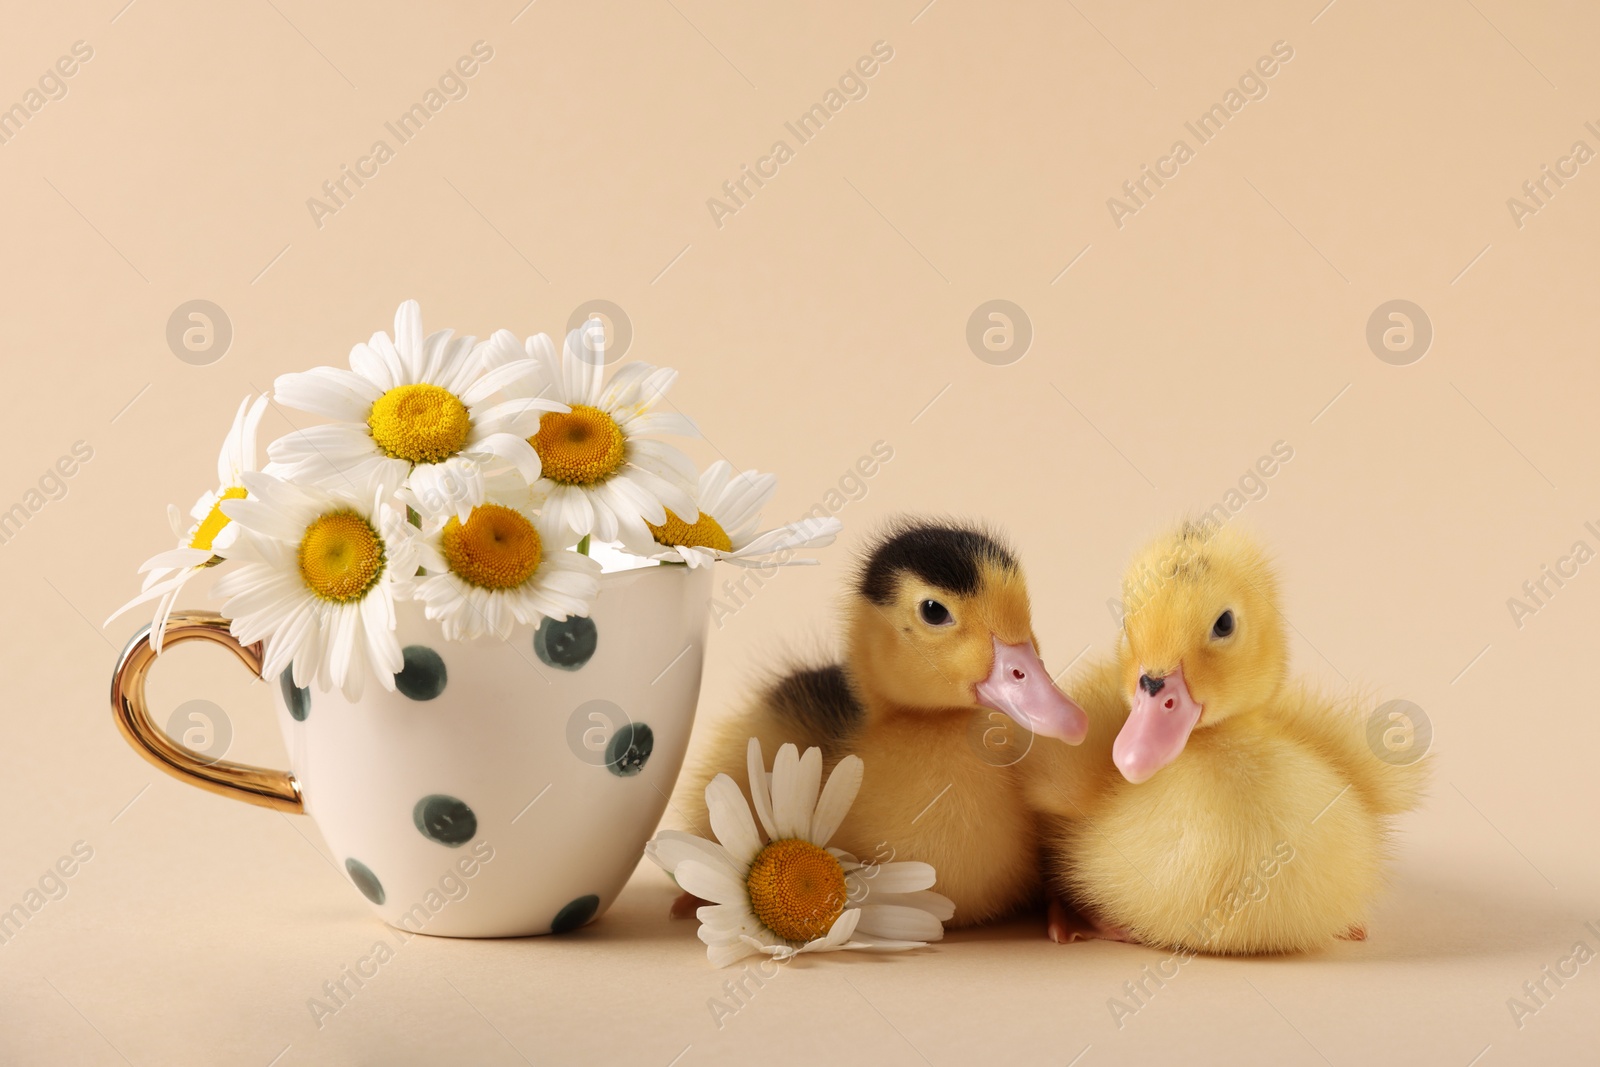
423 677
365 880
567 644
445 819
629 749
575 914
297 698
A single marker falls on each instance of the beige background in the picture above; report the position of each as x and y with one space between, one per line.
828 313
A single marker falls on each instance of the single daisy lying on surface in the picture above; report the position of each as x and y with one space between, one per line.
730 510
788 893
468 477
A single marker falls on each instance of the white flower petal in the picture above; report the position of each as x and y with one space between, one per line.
731 821
665 461
810 785
623 494
156 591
659 492
621 392
738 508
844 927
938 905
260 517
385 374
494 379
514 450
862 943
660 422
843 785
520 416
726 922
764 940
380 347
732 952
795 535
382 647
712 482
453 487
899 923
639 394
571 507
904 876
328 391
793 796
606 509
408 338
760 791
709 883
542 350
671 847
174 558
496 350
583 362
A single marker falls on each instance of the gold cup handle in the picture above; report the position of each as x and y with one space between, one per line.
279 790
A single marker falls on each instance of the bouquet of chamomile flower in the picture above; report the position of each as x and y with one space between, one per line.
470 476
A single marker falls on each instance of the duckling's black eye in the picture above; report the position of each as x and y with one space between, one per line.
1223 626
934 613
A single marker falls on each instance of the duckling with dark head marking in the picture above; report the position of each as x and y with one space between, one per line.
938 638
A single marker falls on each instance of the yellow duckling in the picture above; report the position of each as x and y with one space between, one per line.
938 635
1234 811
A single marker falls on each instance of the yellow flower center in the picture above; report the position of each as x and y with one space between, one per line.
496 548
580 447
419 423
341 556
215 520
796 889
704 532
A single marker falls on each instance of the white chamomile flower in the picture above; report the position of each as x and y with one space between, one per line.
791 893
316 577
730 510
504 565
599 472
205 539
413 412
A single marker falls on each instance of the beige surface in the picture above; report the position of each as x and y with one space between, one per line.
826 314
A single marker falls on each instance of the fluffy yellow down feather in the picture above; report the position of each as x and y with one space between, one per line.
1266 831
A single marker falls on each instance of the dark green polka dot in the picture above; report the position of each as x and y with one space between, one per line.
630 747
445 819
568 644
423 676
365 880
575 914
297 698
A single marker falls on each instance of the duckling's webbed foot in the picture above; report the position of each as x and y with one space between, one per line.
686 905
1355 933
1065 925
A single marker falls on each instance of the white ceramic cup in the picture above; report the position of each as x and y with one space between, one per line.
506 787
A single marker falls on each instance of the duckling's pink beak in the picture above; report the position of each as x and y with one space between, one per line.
1157 728
1019 685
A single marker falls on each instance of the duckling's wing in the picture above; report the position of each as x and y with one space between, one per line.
1340 730
808 707
818 704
